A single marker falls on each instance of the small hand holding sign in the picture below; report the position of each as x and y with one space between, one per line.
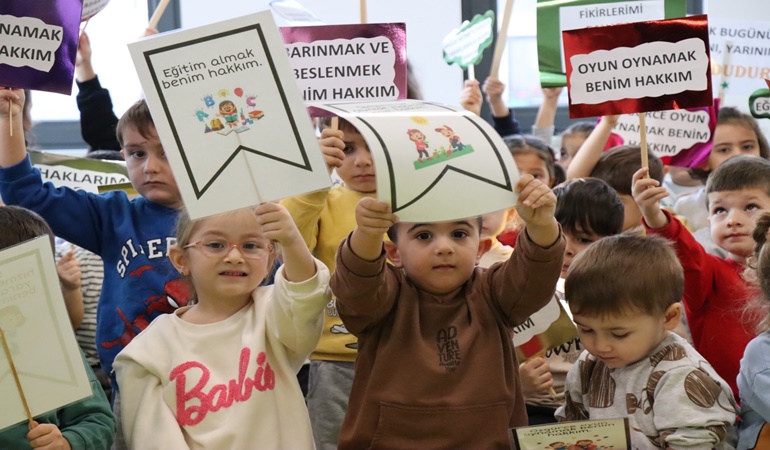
536 206
47 436
373 219
332 147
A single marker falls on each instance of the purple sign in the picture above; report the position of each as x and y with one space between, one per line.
38 44
348 63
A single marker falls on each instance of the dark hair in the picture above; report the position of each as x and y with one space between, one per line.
729 115
525 144
584 126
393 230
759 272
20 225
589 204
137 117
605 279
740 172
618 165
107 155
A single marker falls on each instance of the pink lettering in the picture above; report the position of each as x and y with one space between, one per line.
194 404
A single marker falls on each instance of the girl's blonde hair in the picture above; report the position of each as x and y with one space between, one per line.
758 273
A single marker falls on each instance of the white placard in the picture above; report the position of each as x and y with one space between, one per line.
35 323
434 162
229 115
740 55
668 132
28 41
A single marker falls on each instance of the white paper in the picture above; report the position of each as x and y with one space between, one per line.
668 132
221 93
475 176
35 323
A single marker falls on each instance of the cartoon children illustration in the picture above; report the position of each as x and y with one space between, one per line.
584 444
454 140
558 446
229 112
418 138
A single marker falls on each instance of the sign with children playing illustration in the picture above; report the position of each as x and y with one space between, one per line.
433 162
644 66
38 42
38 335
357 62
229 114
578 435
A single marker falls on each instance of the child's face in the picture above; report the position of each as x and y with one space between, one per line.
438 257
494 223
570 144
227 108
357 169
531 164
732 216
416 136
231 276
732 139
632 215
148 168
577 241
624 339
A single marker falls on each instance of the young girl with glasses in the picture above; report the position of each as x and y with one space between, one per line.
222 372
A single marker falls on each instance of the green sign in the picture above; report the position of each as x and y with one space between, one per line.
555 16
759 104
465 45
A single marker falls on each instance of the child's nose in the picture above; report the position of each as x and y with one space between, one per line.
444 245
363 159
152 164
735 217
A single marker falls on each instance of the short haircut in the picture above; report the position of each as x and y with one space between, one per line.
582 127
523 145
137 117
618 165
740 172
105 155
393 230
606 280
589 204
20 225
729 115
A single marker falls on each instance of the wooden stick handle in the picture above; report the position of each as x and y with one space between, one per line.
471 72
643 139
362 5
10 116
16 377
157 14
335 123
502 38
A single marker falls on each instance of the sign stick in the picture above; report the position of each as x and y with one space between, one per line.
723 78
335 123
10 116
502 38
471 72
158 13
16 377
362 4
643 139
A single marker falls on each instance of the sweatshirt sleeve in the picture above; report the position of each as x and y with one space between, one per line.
294 314
506 125
704 409
88 423
527 281
147 421
573 407
697 264
366 291
306 212
97 119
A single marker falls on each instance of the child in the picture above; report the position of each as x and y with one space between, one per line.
87 423
587 210
753 378
634 366
222 373
436 366
715 293
324 219
736 133
131 236
572 139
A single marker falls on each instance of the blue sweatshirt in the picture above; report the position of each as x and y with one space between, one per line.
131 236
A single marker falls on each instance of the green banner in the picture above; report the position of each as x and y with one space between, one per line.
465 45
584 13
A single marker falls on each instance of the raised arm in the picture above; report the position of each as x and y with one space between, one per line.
12 147
586 158
373 219
647 194
278 226
546 113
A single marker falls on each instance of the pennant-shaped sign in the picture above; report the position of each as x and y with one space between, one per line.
359 62
229 114
38 43
32 311
638 67
429 156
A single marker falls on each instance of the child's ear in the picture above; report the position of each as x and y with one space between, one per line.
672 316
484 246
177 256
391 251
